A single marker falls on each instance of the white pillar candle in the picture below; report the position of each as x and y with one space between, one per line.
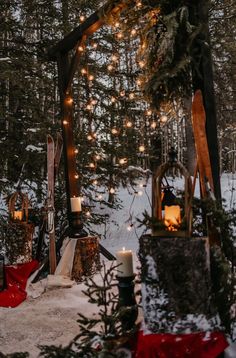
75 204
124 259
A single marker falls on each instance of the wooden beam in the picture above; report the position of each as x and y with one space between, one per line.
89 26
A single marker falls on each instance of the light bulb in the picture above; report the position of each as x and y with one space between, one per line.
128 124
133 32
116 24
122 93
94 101
141 64
89 137
90 77
69 100
139 4
76 151
141 148
89 107
139 82
95 45
114 58
82 18
76 176
91 165
149 112
153 125
110 67
65 122
114 131
113 99
112 190
97 157
88 214
80 49
164 119
123 161
83 71
131 95
100 197
95 182
119 35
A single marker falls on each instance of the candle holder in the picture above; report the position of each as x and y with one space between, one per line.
127 300
75 229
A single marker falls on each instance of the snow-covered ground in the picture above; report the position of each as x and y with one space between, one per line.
51 317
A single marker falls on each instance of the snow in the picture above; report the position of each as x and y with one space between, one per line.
33 148
51 318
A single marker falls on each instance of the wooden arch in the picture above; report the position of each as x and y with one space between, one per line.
66 71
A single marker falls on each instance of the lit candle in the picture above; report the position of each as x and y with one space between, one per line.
75 204
172 217
124 259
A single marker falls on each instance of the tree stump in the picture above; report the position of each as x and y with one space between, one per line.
176 285
86 258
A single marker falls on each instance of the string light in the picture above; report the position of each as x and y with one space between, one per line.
131 95
129 227
141 64
65 122
116 24
110 67
113 99
153 125
164 119
94 101
91 136
123 161
133 32
139 4
83 71
122 93
141 148
69 100
95 182
82 18
80 49
114 58
119 35
99 197
139 82
149 112
97 157
88 214
91 77
76 176
92 165
140 193
112 190
114 131
76 151
128 124
95 45
89 107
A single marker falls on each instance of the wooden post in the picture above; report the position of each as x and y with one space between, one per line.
203 80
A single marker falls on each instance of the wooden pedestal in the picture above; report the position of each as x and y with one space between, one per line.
86 258
176 287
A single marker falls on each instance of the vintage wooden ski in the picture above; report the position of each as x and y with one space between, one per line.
199 130
50 204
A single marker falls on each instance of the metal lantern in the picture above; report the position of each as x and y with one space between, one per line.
174 220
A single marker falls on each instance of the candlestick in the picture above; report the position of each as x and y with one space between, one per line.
124 259
75 204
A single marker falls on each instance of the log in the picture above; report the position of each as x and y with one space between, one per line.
175 275
86 258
